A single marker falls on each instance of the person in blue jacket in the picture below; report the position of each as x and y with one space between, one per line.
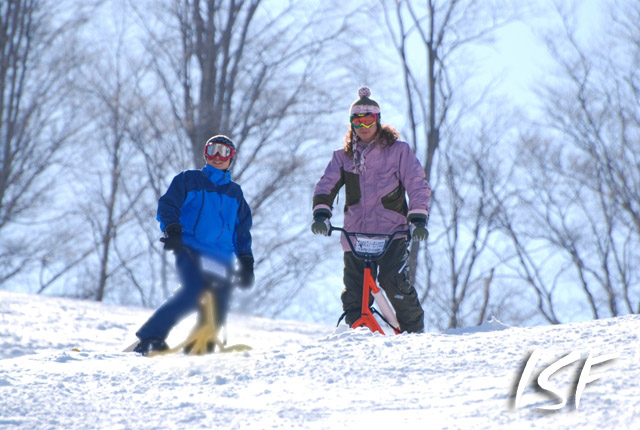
206 223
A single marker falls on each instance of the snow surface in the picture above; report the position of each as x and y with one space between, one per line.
61 367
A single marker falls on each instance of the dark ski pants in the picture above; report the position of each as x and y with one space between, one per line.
186 298
392 274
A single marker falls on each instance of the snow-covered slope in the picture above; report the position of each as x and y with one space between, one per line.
61 368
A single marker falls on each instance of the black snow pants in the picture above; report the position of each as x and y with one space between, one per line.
392 274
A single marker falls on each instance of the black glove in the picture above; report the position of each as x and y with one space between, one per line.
247 278
321 222
418 228
172 238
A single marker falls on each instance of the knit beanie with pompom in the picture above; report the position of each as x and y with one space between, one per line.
364 104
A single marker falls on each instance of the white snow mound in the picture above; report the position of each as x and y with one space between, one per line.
61 367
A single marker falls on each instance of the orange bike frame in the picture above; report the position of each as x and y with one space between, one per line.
367 319
369 287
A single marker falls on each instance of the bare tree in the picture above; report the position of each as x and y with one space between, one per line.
437 101
38 57
261 73
467 273
101 246
106 213
157 149
526 259
581 166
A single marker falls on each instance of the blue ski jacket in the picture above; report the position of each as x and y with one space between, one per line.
211 208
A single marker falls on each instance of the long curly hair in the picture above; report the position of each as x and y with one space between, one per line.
386 135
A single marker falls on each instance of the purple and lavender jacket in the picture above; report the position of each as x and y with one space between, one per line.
376 179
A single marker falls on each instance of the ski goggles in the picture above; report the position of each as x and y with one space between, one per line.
224 152
365 120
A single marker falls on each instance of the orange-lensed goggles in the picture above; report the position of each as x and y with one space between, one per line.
224 152
365 120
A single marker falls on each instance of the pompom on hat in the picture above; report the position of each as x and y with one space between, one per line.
364 104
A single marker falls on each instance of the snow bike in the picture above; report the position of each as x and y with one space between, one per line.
370 247
204 337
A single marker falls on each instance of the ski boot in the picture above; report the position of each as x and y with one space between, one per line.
147 345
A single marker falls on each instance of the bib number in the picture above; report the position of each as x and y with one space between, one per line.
369 246
214 267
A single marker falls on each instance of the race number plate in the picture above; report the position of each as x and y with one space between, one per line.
369 246
214 267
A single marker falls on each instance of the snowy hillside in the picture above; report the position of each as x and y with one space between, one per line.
61 368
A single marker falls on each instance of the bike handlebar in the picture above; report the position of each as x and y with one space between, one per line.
364 255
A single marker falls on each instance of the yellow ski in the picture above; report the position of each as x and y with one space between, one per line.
203 335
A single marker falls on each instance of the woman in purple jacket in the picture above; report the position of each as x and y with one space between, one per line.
377 170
